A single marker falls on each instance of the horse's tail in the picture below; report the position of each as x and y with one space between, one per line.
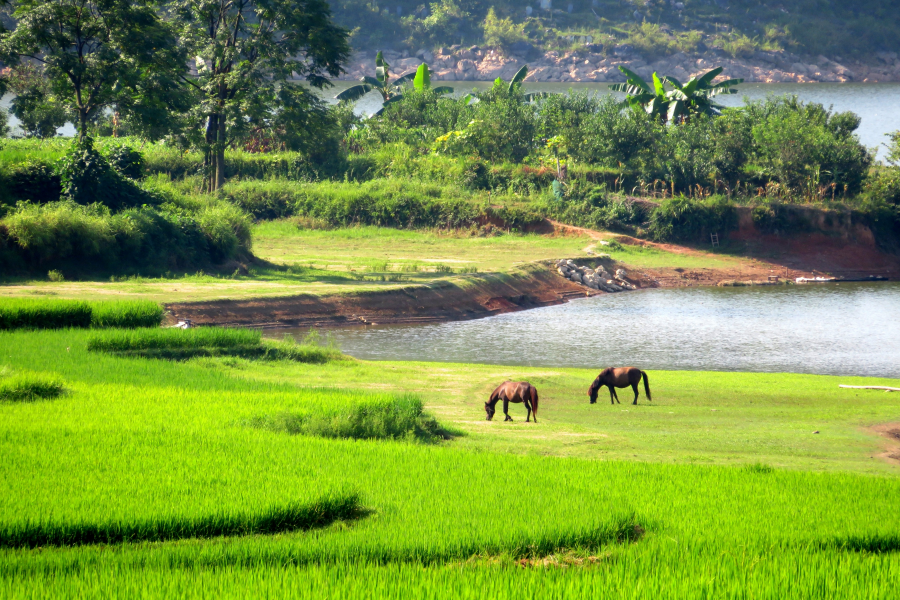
534 402
646 384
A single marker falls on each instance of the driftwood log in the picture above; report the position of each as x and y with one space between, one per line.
871 387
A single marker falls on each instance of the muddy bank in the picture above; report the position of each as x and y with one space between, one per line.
457 299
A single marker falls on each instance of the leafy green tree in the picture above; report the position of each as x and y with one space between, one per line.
244 50
893 148
40 113
94 52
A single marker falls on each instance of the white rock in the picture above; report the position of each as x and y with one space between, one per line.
621 274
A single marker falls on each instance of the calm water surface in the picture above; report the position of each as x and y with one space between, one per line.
844 329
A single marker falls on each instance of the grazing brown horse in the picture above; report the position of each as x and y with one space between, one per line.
619 378
516 392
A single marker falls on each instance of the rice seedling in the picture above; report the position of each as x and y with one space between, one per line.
277 519
43 313
166 339
126 314
142 443
50 313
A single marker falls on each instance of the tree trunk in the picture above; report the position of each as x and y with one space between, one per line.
82 124
220 153
212 132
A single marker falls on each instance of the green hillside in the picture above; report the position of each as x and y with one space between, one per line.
738 27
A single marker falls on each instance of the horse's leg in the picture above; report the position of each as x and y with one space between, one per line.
634 387
612 394
528 408
506 410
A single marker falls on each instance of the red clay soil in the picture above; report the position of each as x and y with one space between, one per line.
849 253
449 300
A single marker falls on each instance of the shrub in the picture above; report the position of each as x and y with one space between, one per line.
684 219
27 387
87 177
146 239
804 146
126 161
33 180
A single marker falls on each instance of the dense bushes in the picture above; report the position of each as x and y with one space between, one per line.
41 313
64 234
688 220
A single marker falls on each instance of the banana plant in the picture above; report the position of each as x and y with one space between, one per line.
516 81
391 91
422 81
682 101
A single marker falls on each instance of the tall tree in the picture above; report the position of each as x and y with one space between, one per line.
244 49
94 52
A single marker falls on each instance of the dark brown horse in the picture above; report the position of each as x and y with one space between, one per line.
515 392
619 378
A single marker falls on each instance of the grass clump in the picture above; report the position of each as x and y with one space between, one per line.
27 387
276 519
401 417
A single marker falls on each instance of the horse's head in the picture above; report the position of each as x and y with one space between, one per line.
490 409
592 391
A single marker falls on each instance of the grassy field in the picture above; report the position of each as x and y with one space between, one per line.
741 501
359 259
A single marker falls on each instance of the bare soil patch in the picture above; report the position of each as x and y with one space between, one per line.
891 433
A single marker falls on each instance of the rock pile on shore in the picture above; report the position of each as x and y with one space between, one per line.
596 279
456 63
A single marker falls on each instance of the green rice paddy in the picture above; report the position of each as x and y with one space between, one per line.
152 478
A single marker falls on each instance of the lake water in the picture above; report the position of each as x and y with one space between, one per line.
876 103
831 329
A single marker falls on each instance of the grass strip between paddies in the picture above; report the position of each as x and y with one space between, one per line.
278 519
183 344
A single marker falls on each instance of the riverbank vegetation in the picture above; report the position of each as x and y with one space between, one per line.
202 475
501 163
